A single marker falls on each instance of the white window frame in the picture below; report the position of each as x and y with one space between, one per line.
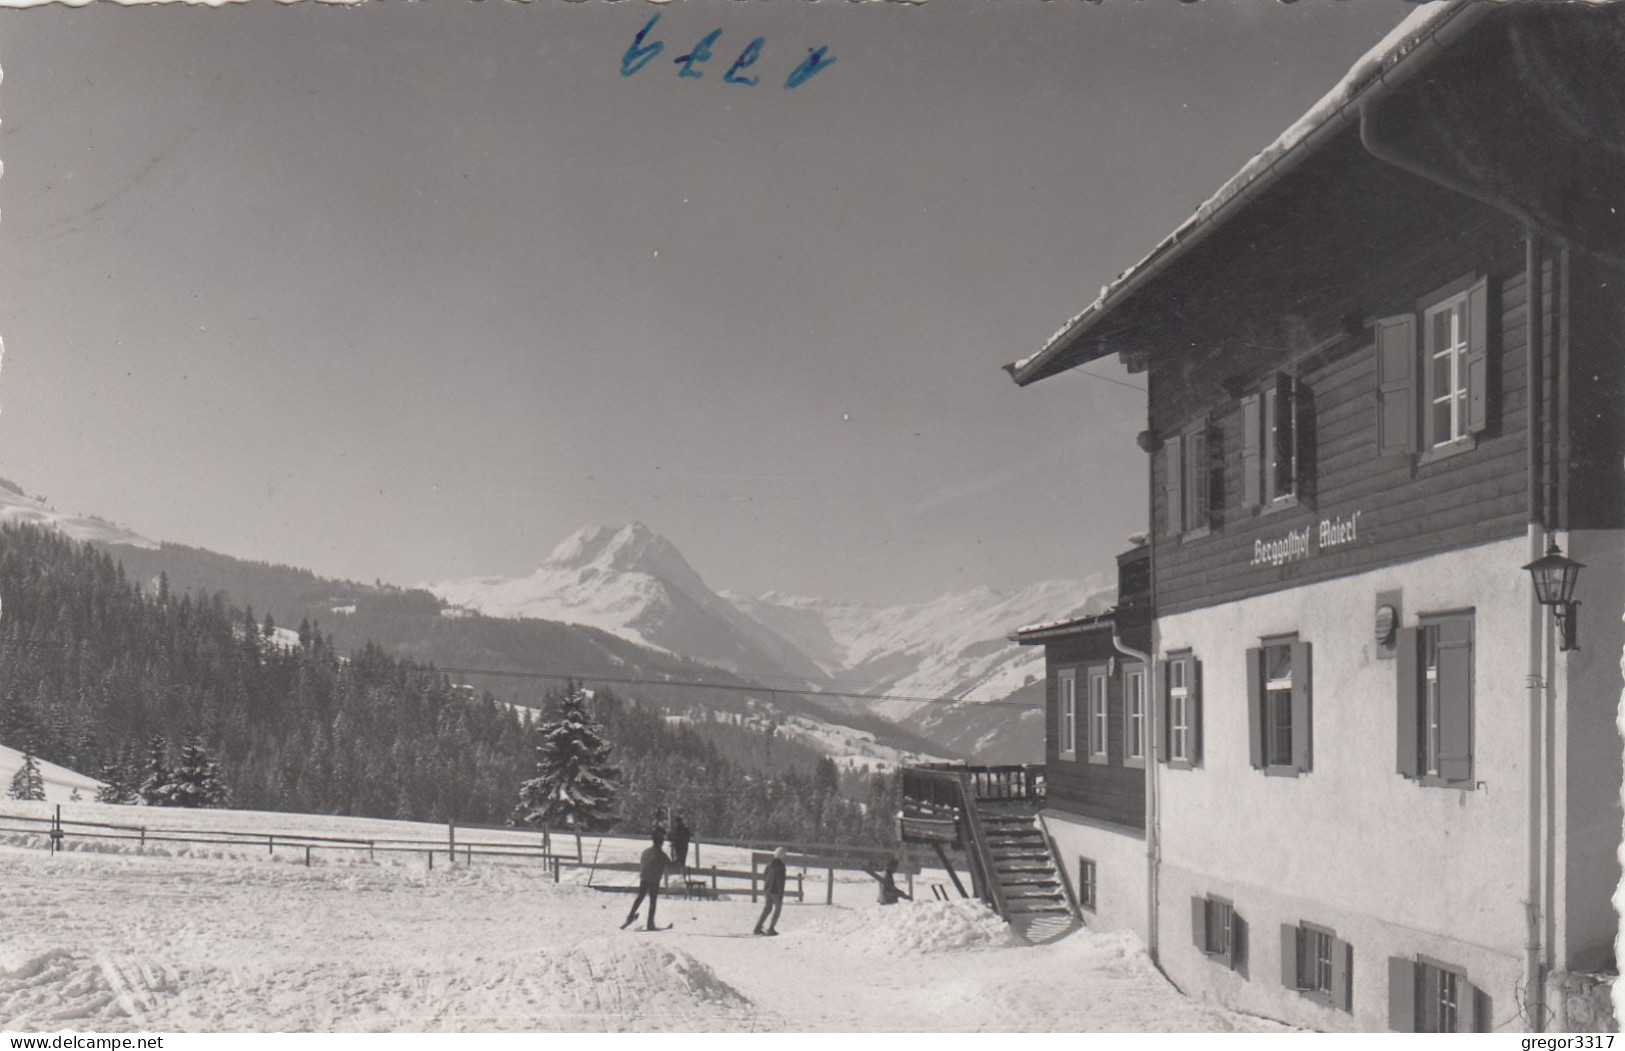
1277 699
1179 710
1134 717
1454 356
1432 715
1088 882
1099 699
1067 688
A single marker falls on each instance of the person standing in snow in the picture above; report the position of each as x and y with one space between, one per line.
651 870
775 877
680 836
889 891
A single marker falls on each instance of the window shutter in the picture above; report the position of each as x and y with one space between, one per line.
1199 923
1235 952
1173 485
1252 458
1478 357
1342 975
1302 750
1401 994
1479 1014
1289 955
1455 711
1193 682
1409 670
1284 447
1165 736
1255 707
1196 458
1397 396
1466 1006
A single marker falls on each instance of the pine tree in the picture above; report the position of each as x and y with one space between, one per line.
116 786
27 783
155 789
195 781
574 786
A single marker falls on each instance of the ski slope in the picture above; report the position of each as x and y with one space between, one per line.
118 941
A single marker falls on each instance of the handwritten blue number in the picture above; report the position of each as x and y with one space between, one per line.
701 53
746 59
814 62
639 55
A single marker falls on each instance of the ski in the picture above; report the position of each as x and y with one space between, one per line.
655 930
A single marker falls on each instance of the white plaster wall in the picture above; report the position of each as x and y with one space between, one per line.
1120 869
1394 867
1588 792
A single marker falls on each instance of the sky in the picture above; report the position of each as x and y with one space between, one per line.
412 291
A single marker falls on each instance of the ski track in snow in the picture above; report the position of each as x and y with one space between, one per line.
124 942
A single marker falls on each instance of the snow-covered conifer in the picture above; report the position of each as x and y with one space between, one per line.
27 783
155 789
574 786
195 781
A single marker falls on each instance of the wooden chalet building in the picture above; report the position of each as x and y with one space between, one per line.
1361 783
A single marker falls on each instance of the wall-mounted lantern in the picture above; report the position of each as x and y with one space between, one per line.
1555 576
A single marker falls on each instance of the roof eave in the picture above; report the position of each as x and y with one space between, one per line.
1062 352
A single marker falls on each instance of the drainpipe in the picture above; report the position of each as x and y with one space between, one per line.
1534 977
1152 815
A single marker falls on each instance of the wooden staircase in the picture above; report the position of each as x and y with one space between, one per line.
991 814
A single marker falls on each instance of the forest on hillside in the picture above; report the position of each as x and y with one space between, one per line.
93 666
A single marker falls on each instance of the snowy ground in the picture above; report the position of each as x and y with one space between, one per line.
60 782
238 940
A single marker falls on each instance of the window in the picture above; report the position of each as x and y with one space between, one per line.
1134 717
1218 931
1097 715
1086 884
1427 996
1435 700
1445 349
1448 390
1273 443
1278 706
1189 461
1317 964
1068 689
1182 711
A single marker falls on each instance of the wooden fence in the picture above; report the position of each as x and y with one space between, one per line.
697 880
57 831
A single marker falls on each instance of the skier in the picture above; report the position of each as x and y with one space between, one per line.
651 869
680 835
889 891
775 877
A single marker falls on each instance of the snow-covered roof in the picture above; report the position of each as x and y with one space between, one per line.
1338 105
1034 632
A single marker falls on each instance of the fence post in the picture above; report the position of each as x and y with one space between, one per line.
753 877
56 830
141 847
557 868
696 853
307 855
911 886
801 891
829 888
370 856
713 877
451 843
270 841
468 852
431 859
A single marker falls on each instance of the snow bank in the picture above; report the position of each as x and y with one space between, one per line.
910 928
